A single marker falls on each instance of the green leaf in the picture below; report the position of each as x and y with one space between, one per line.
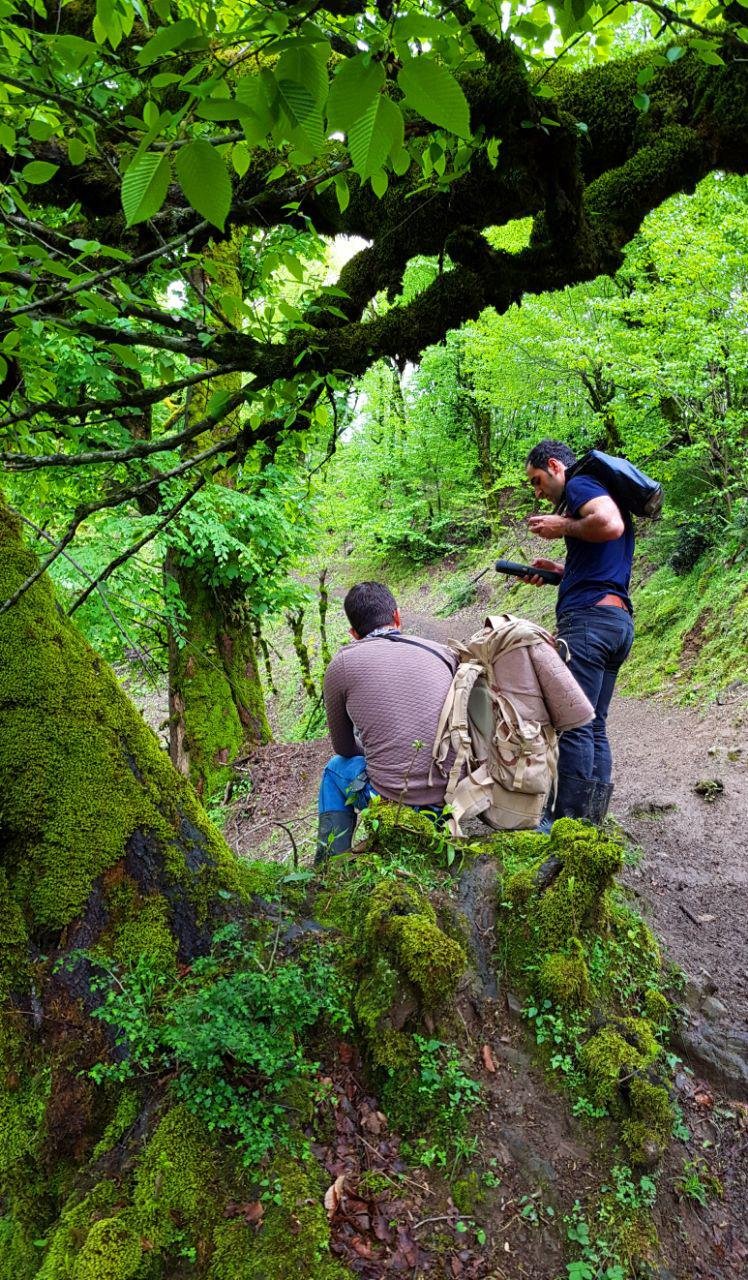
38 172
223 109
355 86
144 187
40 130
8 138
401 161
375 135
166 39
644 76
641 102
205 180
306 65
432 91
76 151
303 115
240 158
379 183
419 26
674 53
342 191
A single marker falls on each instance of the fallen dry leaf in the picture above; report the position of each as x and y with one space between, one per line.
704 1099
487 1057
334 1195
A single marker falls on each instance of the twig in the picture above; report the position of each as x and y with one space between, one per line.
295 852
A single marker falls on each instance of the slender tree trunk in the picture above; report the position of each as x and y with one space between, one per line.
216 702
481 419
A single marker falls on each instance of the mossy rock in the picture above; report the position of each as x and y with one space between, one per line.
400 829
112 1251
564 979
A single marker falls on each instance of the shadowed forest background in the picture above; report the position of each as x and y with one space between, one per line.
287 292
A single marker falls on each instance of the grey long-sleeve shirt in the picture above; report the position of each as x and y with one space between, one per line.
393 692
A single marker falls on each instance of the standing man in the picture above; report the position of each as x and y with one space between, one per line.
383 698
593 612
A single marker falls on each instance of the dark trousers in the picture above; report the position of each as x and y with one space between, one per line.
599 639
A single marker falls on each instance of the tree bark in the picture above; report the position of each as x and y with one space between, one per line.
216 702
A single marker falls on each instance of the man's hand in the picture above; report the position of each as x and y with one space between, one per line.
549 527
556 566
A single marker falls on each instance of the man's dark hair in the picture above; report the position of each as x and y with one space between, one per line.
538 457
369 605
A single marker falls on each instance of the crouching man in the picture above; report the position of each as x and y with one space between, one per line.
383 698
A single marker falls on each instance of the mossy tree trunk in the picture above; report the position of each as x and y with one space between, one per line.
105 850
216 701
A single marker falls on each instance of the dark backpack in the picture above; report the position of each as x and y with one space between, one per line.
628 486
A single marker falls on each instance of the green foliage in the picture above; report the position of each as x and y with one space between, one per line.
231 1028
439 1096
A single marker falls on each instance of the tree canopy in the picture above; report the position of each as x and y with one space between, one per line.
137 139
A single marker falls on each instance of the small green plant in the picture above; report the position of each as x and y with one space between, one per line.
533 1211
697 1183
448 1096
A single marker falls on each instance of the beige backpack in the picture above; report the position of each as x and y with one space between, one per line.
505 766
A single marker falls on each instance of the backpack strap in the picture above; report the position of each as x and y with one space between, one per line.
452 731
401 639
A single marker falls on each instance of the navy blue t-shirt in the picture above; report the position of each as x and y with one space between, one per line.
594 569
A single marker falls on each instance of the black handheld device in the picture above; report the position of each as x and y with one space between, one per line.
525 570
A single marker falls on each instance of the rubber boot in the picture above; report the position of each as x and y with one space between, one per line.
334 833
600 802
574 796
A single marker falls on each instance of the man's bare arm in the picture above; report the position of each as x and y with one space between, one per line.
599 520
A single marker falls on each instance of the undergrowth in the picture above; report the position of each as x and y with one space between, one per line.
230 1030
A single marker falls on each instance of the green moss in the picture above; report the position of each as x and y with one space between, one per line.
621 197
178 1182
81 775
431 960
615 1054
112 1251
564 979
401 829
648 1127
72 1230
292 1240
467 1192
23 1102
657 1008
126 1113
147 935
14 944
19 1256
